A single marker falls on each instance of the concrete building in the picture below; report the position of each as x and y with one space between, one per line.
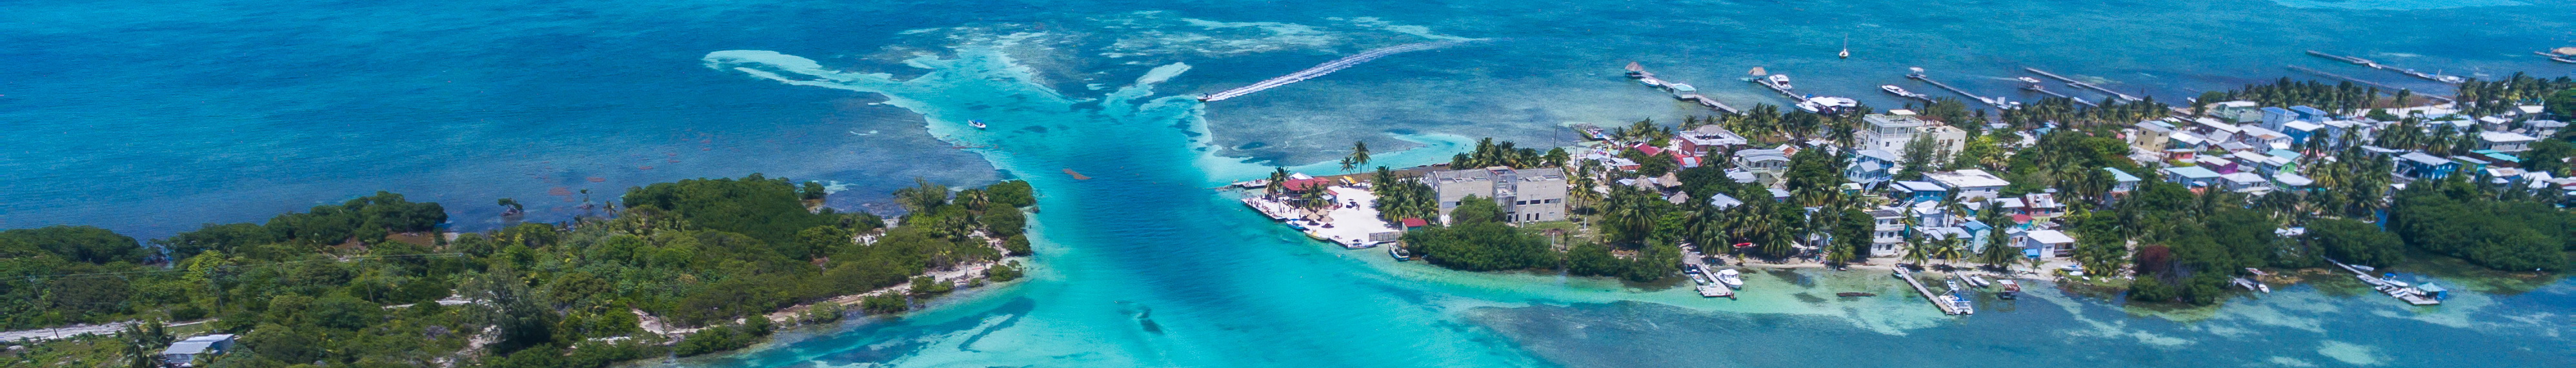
1526 195
1707 139
1970 183
2504 141
1889 236
1869 167
2152 135
1888 132
1766 163
2239 112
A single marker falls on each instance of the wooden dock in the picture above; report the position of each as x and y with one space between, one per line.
2437 77
2383 88
1996 102
1680 91
2073 82
2036 88
2393 288
1941 301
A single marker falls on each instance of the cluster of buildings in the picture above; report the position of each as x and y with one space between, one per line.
2236 146
2240 146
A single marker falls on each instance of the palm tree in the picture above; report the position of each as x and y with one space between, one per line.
1999 254
1278 177
1947 248
1359 153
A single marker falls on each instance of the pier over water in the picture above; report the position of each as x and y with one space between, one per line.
1329 67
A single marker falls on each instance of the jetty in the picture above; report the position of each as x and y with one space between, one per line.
2383 88
2556 57
1680 91
1948 304
2077 83
2036 88
2412 294
2437 77
1329 67
1996 102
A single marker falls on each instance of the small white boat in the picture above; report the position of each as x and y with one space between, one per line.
2028 80
1730 278
1399 253
1780 81
978 124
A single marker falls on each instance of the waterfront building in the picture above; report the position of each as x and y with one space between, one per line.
2501 141
1527 195
2047 244
1970 183
1889 234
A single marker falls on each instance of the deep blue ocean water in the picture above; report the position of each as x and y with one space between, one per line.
151 117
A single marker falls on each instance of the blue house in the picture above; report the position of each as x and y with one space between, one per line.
2423 166
1917 191
1870 167
2310 114
2274 117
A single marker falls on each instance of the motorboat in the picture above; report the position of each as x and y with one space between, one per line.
1399 253
1827 104
978 124
2028 80
1730 278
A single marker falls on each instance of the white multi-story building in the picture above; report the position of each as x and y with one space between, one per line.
1888 132
1526 195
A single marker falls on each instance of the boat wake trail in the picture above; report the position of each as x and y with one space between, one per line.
1329 67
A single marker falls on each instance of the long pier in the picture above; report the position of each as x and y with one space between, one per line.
2383 88
1329 67
1681 91
1937 302
2036 88
1989 101
2376 65
2077 83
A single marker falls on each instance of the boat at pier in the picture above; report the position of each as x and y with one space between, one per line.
1827 105
2012 289
1730 278
1901 92
1399 253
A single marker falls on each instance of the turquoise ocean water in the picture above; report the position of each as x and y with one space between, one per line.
150 117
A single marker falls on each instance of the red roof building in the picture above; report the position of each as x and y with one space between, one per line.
1411 222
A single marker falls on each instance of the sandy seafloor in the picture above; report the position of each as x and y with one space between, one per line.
150 117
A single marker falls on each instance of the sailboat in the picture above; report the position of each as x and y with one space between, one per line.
1846 54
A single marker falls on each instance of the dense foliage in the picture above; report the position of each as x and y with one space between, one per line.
317 287
2454 217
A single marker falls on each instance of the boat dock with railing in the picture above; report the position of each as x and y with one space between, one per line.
2413 294
1949 304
